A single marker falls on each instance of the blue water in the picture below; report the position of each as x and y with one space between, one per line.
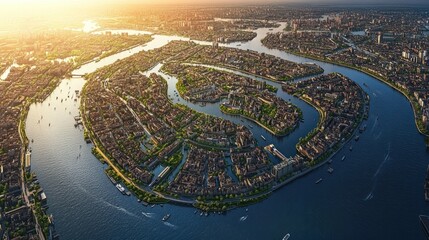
375 193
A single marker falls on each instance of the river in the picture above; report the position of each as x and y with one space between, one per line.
375 193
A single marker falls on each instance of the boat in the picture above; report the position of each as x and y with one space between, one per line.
286 237
365 84
330 161
318 181
128 193
263 138
166 217
351 148
112 180
357 138
344 157
120 188
330 170
145 203
250 126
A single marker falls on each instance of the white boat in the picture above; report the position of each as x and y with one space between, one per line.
263 138
344 157
286 237
166 217
120 188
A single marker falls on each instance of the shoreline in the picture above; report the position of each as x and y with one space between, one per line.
260 124
307 171
379 78
233 68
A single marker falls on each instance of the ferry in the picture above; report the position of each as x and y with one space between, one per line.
318 181
120 188
166 217
330 170
344 157
286 237
263 138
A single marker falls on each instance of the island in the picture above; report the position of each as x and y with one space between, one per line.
203 160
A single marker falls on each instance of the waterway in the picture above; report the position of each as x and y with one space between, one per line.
375 193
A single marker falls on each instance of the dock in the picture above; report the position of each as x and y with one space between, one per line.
272 149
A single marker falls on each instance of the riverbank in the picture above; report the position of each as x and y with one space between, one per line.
260 124
379 78
233 68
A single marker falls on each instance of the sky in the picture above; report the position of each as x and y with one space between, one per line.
19 14
92 2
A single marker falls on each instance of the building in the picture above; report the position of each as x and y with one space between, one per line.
379 38
28 161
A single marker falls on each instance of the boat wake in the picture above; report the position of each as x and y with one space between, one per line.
374 125
170 225
371 193
369 197
243 218
148 214
386 158
108 203
121 209
377 136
